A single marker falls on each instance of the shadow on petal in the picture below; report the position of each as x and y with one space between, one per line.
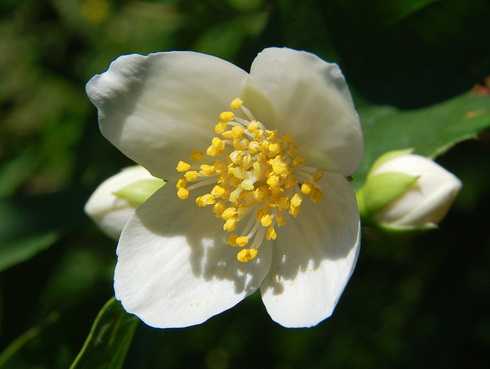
314 257
327 230
168 217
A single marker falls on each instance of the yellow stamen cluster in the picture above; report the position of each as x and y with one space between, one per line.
257 172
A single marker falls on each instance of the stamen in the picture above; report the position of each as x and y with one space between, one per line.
237 132
183 193
197 155
227 116
247 255
296 200
191 175
316 195
205 200
255 174
182 166
241 241
270 234
236 103
307 188
219 208
220 127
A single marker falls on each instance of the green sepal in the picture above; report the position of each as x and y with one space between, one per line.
139 192
382 189
406 230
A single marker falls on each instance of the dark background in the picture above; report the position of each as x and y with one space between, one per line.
413 302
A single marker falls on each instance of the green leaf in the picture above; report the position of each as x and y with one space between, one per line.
109 339
23 249
410 53
13 173
14 354
429 131
396 11
140 191
30 224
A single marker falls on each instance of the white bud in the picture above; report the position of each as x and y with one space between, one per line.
426 201
110 206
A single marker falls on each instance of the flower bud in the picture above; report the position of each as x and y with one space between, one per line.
117 198
404 191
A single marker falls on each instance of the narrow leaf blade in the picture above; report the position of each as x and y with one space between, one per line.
109 339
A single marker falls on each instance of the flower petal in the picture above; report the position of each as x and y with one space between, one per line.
313 257
158 108
174 269
109 211
312 102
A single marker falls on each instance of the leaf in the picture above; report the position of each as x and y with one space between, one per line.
109 339
429 131
30 224
13 355
410 53
18 251
13 173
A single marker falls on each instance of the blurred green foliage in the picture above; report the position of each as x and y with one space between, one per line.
421 302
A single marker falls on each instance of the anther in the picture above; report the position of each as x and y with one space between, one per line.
217 191
181 183
232 240
207 170
191 175
197 155
204 200
270 234
228 213
220 127
227 116
236 103
237 132
266 220
280 219
219 208
296 200
247 255
253 126
230 224
317 176
182 193
241 241
316 195
182 166
258 176
307 188
299 161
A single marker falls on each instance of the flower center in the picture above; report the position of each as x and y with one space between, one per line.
255 172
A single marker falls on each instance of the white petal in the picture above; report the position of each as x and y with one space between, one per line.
108 211
434 208
157 109
314 257
312 102
174 269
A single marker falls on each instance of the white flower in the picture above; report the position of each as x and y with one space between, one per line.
420 191
248 211
111 212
